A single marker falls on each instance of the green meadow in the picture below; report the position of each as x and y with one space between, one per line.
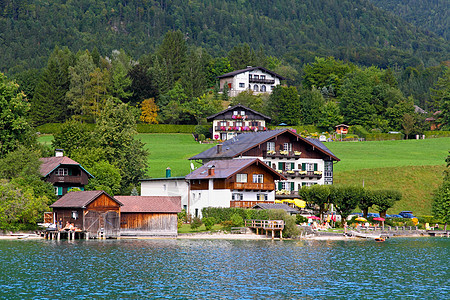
413 167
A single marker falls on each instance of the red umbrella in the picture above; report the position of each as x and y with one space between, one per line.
378 219
314 218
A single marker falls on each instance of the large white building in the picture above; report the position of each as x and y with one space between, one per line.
257 79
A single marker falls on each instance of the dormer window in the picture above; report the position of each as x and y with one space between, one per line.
62 172
242 113
263 77
235 112
256 76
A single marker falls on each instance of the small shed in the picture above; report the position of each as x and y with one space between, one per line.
341 129
94 212
149 215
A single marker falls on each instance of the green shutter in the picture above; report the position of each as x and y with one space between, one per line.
292 186
315 167
82 188
280 185
303 183
69 172
292 166
60 190
303 166
280 166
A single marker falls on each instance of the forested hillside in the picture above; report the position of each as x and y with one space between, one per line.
432 15
295 31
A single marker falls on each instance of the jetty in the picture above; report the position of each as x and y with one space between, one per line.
271 226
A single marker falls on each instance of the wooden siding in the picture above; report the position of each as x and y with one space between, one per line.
149 224
78 176
267 184
220 184
229 116
103 203
199 184
66 215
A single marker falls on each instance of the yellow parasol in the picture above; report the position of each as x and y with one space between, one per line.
300 203
361 219
278 201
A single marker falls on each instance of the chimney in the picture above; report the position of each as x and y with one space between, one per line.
168 172
219 148
59 152
211 171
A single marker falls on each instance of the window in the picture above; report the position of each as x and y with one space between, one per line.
256 76
263 88
286 185
261 197
287 147
242 113
235 112
256 88
223 123
268 163
309 167
270 146
237 196
308 183
250 76
258 178
238 124
241 84
74 214
241 177
328 168
62 172
254 123
263 77
58 190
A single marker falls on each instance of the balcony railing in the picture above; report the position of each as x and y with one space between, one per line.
251 186
258 80
240 128
246 204
68 179
301 174
281 153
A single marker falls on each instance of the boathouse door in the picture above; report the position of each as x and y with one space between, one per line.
102 224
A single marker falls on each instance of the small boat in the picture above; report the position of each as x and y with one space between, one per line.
380 239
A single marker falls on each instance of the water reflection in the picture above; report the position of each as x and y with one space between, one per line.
221 269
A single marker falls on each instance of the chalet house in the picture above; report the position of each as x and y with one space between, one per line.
231 183
235 120
64 173
149 215
303 161
257 79
95 212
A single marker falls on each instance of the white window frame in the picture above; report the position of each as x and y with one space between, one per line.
237 196
270 146
239 124
286 185
261 197
256 88
242 112
241 84
235 112
309 167
62 172
223 123
287 147
263 88
241 178
258 178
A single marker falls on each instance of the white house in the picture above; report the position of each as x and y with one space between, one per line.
257 79
236 120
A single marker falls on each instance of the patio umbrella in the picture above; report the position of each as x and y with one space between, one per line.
361 219
378 219
300 203
314 218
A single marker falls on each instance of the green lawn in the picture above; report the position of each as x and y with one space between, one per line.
170 150
46 139
380 154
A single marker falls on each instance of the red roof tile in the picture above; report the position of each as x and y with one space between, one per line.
150 204
79 199
51 163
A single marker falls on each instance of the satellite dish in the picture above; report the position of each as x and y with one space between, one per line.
192 166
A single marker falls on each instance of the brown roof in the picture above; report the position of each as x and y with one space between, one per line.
229 167
51 163
80 199
150 204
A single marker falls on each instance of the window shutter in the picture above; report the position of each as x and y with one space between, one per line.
69 172
280 185
60 190
292 186
82 188
303 166
280 166
315 167
292 166
303 183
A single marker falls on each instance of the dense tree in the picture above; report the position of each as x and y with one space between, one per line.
311 105
366 201
49 102
441 198
119 83
73 135
246 98
385 199
441 96
345 199
318 195
284 105
143 85
14 128
173 52
149 111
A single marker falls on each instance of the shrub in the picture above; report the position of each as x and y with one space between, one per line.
237 220
299 219
436 134
290 228
358 130
165 128
209 222
196 223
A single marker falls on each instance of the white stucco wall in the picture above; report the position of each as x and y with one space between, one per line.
166 187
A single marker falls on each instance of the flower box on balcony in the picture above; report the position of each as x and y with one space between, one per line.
297 153
271 152
317 172
279 171
290 172
284 152
302 172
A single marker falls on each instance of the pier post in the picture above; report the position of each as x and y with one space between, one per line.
58 237
281 234
272 234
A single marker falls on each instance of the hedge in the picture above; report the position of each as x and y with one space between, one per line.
165 128
436 134
52 128
300 129
383 136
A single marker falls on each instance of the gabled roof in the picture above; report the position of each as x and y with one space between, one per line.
211 118
150 204
80 199
231 74
246 141
342 125
226 168
285 207
51 163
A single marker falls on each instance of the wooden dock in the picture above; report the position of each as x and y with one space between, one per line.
64 235
439 233
266 225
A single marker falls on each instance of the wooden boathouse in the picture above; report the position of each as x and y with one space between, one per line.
149 215
95 213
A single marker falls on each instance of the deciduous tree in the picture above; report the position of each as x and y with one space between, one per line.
149 111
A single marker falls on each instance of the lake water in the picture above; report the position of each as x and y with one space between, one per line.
217 269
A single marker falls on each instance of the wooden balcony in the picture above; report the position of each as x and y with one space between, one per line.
258 80
251 186
236 129
246 204
302 174
68 179
283 154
